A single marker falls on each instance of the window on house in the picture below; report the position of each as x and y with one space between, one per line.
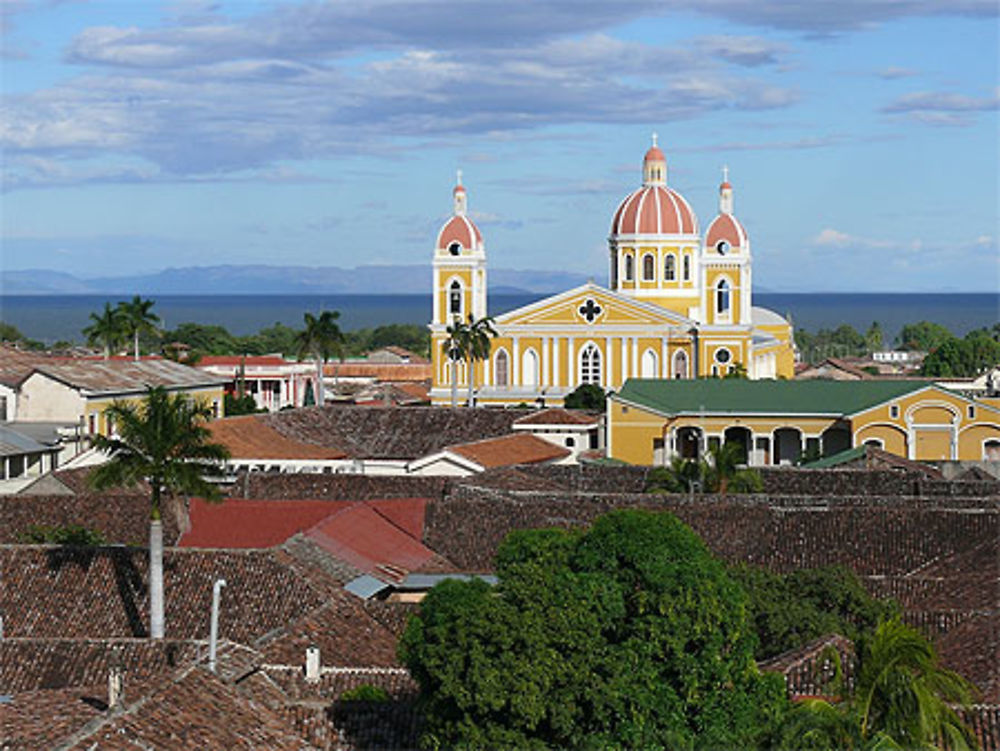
455 298
570 443
590 365
91 424
894 411
669 270
648 268
972 412
680 365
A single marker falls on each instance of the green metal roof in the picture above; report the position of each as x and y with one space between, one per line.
835 460
740 396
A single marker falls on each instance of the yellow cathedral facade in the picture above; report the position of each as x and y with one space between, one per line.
678 305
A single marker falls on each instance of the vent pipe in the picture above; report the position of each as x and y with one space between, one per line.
213 635
312 664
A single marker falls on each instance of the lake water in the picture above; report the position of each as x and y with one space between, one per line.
53 317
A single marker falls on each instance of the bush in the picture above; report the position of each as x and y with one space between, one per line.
70 534
366 692
586 396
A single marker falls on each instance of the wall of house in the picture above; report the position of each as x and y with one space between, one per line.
45 399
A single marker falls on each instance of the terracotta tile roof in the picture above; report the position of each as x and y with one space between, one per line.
42 718
126 376
249 360
391 433
236 523
555 416
250 437
807 669
519 448
193 710
380 371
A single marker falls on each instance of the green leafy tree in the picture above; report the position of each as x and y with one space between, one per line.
138 318
451 348
791 609
723 472
240 405
209 339
874 338
628 635
323 339
162 443
107 329
901 698
69 534
476 348
586 396
963 358
737 371
923 336
276 338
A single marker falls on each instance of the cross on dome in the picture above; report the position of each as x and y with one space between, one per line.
725 173
458 174
655 136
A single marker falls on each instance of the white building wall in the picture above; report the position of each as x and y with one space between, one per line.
45 399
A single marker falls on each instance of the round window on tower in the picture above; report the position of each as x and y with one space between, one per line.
723 247
722 356
455 249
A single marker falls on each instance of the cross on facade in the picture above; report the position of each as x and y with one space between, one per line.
590 310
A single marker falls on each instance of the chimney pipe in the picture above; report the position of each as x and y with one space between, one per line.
213 636
312 664
116 680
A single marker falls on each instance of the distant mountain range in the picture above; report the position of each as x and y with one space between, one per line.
276 280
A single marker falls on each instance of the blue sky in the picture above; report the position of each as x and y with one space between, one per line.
861 135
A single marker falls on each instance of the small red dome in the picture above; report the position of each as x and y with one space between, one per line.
654 153
726 227
459 189
462 230
654 210
725 186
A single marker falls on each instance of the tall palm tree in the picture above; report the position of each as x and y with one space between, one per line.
138 319
478 334
453 348
163 442
106 329
323 339
901 698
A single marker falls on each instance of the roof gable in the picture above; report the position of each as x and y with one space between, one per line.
611 309
732 396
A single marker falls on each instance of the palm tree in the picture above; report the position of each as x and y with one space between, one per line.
163 442
901 698
138 319
106 329
454 349
476 346
323 339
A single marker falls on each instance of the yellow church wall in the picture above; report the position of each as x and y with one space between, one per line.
631 432
444 279
972 439
712 277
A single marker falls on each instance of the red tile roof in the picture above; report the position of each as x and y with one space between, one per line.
381 371
556 416
250 437
518 448
238 523
237 360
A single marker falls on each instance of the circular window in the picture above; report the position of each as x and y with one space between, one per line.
723 247
722 355
455 249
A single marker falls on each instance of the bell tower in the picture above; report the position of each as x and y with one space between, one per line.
459 265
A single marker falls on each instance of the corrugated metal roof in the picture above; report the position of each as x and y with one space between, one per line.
122 376
724 396
366 586
13 443
427 581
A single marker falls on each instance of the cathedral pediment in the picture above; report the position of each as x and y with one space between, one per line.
591 305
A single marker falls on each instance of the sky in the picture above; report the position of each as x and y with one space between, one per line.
861 136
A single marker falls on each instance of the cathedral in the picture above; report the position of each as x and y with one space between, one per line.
678 305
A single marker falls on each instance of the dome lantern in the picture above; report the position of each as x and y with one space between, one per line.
460 196
654 166
725 193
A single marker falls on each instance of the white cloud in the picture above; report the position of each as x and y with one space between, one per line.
832 238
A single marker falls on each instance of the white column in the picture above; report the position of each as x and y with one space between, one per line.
516 365
636 373
488 367
664 364
555 361
437 296
606 372
624 363
544 380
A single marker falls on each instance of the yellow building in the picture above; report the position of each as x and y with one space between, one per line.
779 422
679 304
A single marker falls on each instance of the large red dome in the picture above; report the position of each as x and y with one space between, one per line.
654 210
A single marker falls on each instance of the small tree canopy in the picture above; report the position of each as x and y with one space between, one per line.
586 396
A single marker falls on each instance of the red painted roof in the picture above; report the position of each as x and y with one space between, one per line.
462 230
654 209
405 513
237 523
516 448
726 227
362 536
655 153
556 416
236 360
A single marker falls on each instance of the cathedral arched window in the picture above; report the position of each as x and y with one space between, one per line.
648 268
687 268
455 297
629 268
590 364
529 368
680 364
669 268
722 298
502 368
650 364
